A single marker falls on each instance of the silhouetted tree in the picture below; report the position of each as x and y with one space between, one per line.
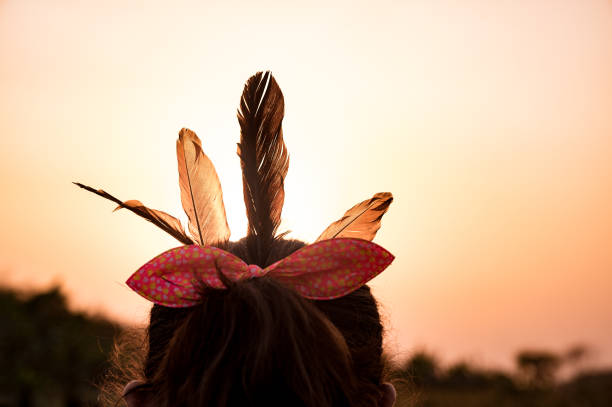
422 369
538 368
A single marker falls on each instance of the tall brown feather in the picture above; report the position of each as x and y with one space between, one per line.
201 193
162 220
362 221
265 161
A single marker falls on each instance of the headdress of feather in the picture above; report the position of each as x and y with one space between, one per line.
264 160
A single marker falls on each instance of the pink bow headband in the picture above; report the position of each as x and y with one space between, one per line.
321 271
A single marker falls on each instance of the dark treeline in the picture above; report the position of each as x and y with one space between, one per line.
51 356
422 382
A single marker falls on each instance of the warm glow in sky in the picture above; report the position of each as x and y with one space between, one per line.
490 121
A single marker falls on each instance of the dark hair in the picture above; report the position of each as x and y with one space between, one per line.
258 342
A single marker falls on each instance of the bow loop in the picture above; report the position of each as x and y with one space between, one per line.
332 268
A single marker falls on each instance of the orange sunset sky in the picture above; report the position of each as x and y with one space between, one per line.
490 121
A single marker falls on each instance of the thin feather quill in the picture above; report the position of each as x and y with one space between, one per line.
264 160
362 221
162 220
201 193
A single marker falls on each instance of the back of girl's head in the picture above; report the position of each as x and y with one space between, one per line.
259 342
256 339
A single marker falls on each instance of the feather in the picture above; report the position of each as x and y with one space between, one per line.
201 193
164 221
264 160
362 221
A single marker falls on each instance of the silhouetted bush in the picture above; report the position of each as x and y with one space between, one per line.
52 356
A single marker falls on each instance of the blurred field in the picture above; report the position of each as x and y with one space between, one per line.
52 356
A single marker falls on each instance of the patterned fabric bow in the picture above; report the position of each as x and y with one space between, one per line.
324 270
